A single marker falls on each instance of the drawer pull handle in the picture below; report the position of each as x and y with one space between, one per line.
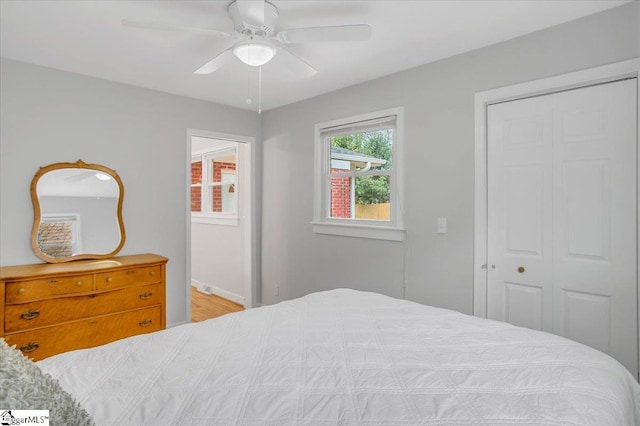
145 295
145 323
109 279
130 272
52 281
29 347
30 314
152 273
21 290
79 283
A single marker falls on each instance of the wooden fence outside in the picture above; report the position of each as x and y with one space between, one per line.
373 211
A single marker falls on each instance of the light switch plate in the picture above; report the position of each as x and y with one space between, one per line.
442 225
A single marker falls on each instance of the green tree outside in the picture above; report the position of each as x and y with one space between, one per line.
378 144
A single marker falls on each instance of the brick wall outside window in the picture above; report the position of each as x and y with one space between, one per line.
196 177
340 196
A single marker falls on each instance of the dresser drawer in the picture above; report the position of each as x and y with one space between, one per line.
47 341
41 313
128 277
24 291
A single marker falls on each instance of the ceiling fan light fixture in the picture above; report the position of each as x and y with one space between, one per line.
103 176
254 52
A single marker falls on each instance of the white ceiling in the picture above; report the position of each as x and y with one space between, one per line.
87 37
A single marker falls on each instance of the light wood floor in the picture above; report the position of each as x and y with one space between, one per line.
204 306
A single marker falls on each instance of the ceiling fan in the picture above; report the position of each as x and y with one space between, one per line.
255 22
86 175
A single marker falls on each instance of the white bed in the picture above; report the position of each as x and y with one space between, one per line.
344 357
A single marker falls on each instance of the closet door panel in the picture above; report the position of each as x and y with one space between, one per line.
520 240
562 219
594 218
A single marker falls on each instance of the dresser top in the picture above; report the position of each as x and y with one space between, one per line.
8 273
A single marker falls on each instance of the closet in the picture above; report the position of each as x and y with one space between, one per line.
562 215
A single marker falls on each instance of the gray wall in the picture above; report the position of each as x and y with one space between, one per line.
217 259
49 116
439 165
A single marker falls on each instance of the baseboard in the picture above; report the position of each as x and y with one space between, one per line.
211 289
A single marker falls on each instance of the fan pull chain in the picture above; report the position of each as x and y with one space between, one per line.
259 90
248 101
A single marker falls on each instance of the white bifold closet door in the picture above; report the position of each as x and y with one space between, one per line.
562 216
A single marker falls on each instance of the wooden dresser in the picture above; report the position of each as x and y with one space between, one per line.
47 309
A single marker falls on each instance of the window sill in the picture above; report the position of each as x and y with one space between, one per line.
359 231
211 220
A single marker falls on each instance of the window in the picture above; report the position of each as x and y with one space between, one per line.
214 185
59 235
358 179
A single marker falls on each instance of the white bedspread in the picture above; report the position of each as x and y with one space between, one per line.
344 357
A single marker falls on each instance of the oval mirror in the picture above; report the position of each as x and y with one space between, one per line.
77 212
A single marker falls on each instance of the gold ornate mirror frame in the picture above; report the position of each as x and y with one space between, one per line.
76 172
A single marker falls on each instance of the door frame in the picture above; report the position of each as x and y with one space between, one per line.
589 77
248 200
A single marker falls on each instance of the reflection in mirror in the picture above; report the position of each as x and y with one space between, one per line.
77 212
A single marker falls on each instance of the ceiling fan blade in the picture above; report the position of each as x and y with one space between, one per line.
251 12
80 176
170 27
214 64
360 32
294 64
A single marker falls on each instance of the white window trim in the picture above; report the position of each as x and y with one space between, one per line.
392 230
211 220
215 218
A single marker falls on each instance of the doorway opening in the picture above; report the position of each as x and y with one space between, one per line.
219 225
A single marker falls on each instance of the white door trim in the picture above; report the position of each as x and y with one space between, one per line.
249 197
588 77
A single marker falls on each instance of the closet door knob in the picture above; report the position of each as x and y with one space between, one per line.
520 269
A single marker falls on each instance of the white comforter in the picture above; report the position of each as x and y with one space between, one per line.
344 357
